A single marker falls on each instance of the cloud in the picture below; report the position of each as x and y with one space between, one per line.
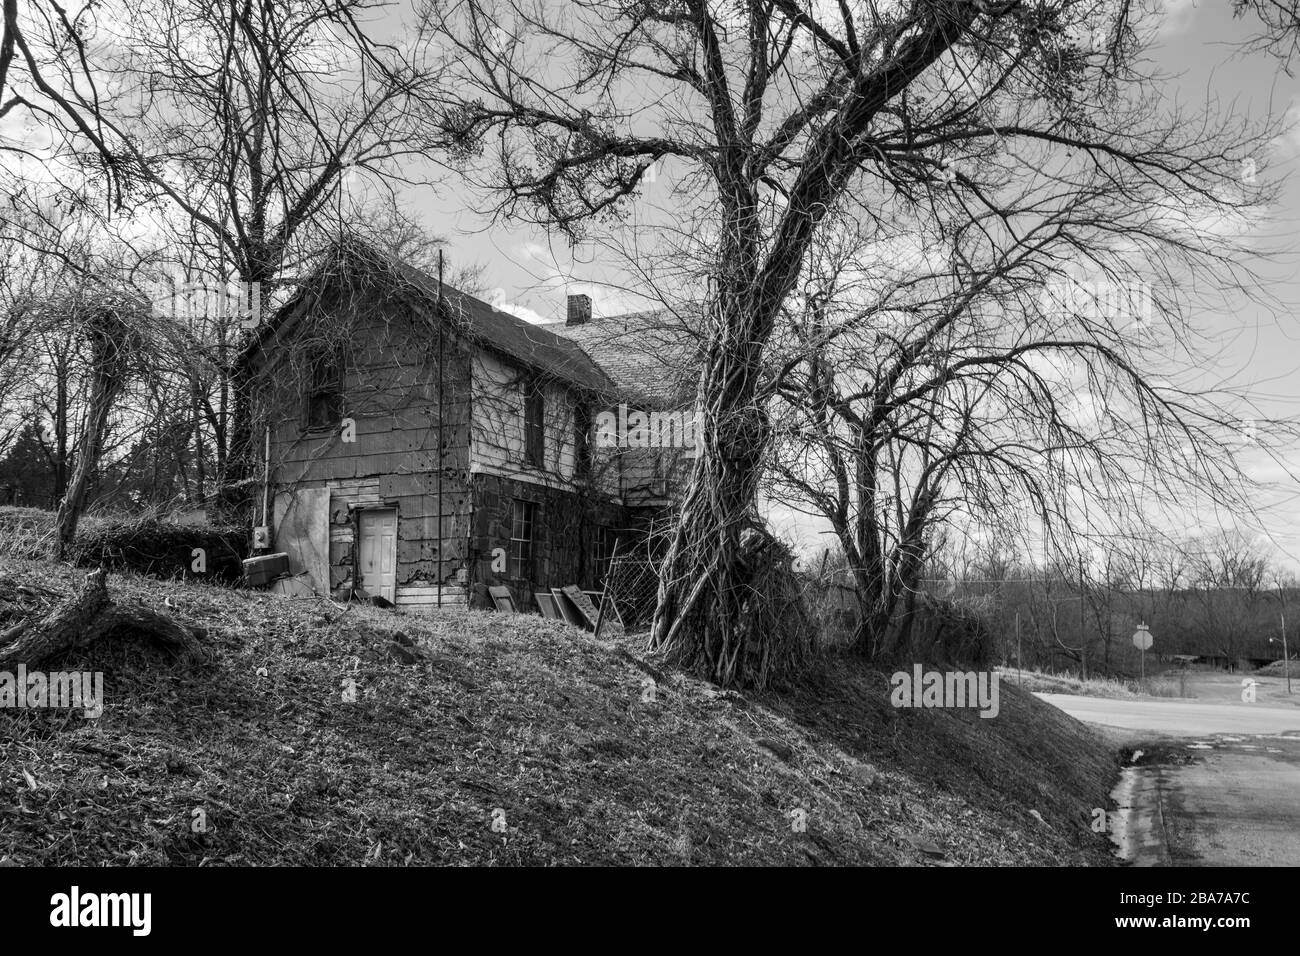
551 284
498 300
1176 16
1287 144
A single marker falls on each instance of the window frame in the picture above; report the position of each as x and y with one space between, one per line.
325 381
520 554
584 422
534 416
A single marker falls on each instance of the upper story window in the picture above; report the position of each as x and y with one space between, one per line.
582 426
324 397
534 423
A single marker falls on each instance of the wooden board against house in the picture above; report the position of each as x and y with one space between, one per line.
583 604
547 603
302 531
607 611
298 586
568 608
502 598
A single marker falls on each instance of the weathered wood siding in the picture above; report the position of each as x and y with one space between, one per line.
571 508
390 389
498 424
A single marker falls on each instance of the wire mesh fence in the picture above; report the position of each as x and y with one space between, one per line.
632 586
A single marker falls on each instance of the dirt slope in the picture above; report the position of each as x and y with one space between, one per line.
558 741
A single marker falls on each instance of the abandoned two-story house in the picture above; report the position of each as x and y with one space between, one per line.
422 445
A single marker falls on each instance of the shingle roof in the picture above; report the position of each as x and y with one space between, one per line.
651 356
526 342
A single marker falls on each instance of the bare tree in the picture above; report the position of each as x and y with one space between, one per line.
42 58
787 115
109 332
237 124
986 382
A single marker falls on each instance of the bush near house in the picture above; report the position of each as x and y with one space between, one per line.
951 631
164 549
147 545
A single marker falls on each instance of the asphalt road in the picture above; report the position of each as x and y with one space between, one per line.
1179 718
1224 789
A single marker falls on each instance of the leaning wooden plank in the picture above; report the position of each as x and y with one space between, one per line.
547 603
567 608
502 598
607 597
583 604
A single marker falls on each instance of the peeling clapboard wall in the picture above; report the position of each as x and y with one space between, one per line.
498 424
391 456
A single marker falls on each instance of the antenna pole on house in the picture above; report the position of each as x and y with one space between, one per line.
442 331
605 596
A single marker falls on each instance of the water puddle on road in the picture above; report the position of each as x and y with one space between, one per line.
1136 829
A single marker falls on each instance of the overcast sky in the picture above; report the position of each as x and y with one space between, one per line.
1254 346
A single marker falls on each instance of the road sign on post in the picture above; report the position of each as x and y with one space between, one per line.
1142 641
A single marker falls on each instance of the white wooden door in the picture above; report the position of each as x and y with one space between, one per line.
379 553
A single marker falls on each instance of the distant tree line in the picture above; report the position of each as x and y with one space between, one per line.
1220 597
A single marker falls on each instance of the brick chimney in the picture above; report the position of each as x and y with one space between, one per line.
579 310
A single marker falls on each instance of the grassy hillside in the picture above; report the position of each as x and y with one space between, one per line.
513 717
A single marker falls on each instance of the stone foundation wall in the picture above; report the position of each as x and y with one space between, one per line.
566 537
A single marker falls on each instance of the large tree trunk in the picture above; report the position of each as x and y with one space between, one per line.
83 619
60 429
702 584
108 333
238 467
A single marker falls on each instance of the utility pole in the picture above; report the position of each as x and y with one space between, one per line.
1083 639
1020 674
442 448
1286 655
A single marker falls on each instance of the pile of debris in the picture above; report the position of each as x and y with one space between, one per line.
589 610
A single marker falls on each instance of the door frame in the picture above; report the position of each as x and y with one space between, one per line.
357 512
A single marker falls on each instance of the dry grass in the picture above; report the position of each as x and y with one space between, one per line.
521 715
30 532
1279 669
1046 682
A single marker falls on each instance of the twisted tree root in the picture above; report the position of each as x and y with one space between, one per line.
84 618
